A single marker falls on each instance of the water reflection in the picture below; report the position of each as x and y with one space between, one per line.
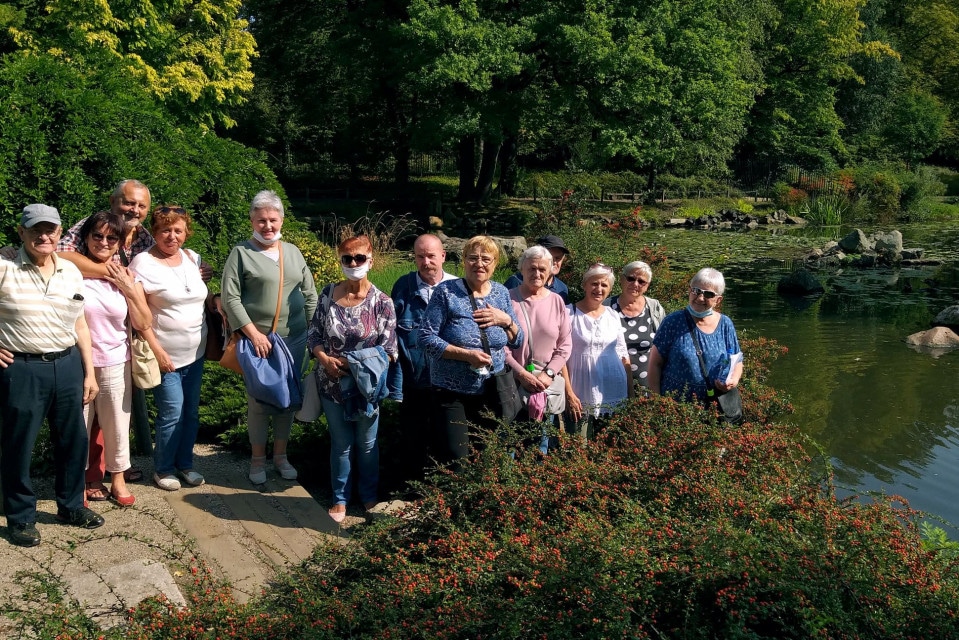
885 413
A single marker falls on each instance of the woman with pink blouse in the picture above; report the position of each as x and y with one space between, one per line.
538 361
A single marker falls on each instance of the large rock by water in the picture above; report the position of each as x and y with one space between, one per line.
512 247
937 337
855 242
948 317
800 282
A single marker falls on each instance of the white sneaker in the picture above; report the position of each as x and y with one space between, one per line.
284 468
258 469
167 482
191 477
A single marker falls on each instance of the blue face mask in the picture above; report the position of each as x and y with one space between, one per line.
698 314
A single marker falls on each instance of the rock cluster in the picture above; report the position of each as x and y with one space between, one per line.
511 247
883 248
733 219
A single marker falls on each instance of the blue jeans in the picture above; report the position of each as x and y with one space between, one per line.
348 436
178 418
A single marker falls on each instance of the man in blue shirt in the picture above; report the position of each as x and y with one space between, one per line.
559 252
410 295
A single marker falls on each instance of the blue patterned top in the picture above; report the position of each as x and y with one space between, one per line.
681 372
449 321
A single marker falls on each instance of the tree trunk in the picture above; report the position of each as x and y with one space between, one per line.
484 183
508 171
467 167
401 170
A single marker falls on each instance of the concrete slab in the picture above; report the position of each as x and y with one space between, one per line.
107 594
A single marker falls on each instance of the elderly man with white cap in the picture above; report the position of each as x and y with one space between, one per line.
46 371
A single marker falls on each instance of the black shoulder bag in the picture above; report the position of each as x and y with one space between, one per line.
510 403
730 402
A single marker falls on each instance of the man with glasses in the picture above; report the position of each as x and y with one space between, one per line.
46 371
411 294
557 248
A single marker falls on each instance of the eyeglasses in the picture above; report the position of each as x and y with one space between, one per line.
99 237
177 210
696 291
636 279
347 259
483 260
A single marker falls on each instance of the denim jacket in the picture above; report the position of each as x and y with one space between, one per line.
413 368
365 387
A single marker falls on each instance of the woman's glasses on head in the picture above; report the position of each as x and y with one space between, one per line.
177 210
709 295
347 260
99 237
636 279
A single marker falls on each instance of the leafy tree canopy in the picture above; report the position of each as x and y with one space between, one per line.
193 56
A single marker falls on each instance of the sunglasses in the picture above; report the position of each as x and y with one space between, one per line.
99 237
177 210
347 259
636 279
696 291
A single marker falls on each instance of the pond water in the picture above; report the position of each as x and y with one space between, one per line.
885 414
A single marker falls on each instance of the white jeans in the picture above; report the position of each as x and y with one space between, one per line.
111 407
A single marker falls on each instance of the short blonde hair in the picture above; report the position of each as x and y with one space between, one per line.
481 244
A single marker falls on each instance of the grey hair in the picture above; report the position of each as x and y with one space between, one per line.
638 265
598 270
709 278
266 199
536 252
118 191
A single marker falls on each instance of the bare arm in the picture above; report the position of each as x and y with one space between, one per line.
88 268
655 371
737 375
573 404
85 345
631 388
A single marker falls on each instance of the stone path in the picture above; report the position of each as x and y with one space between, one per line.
245 533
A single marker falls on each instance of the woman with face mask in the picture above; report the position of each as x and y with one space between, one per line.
674 366
353 337
250 288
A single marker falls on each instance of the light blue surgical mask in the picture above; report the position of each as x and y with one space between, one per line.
698 314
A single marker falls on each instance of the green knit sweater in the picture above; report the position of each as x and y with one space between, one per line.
249 289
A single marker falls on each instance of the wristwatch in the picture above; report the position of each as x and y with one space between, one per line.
549 372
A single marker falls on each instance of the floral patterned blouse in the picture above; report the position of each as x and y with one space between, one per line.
340 330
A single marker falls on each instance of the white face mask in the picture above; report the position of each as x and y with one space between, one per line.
356 273
264 241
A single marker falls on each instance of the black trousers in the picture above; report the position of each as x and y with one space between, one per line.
454 414
31 390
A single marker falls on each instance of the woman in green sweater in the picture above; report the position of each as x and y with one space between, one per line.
249 290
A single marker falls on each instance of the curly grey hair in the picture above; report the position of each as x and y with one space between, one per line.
266 199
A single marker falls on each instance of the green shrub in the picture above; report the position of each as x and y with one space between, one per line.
551 184
825 210
69 137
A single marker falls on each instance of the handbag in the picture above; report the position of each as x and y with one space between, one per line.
215 333
144 367
730 402
503 385
312 406
271 380
229 360
555 393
